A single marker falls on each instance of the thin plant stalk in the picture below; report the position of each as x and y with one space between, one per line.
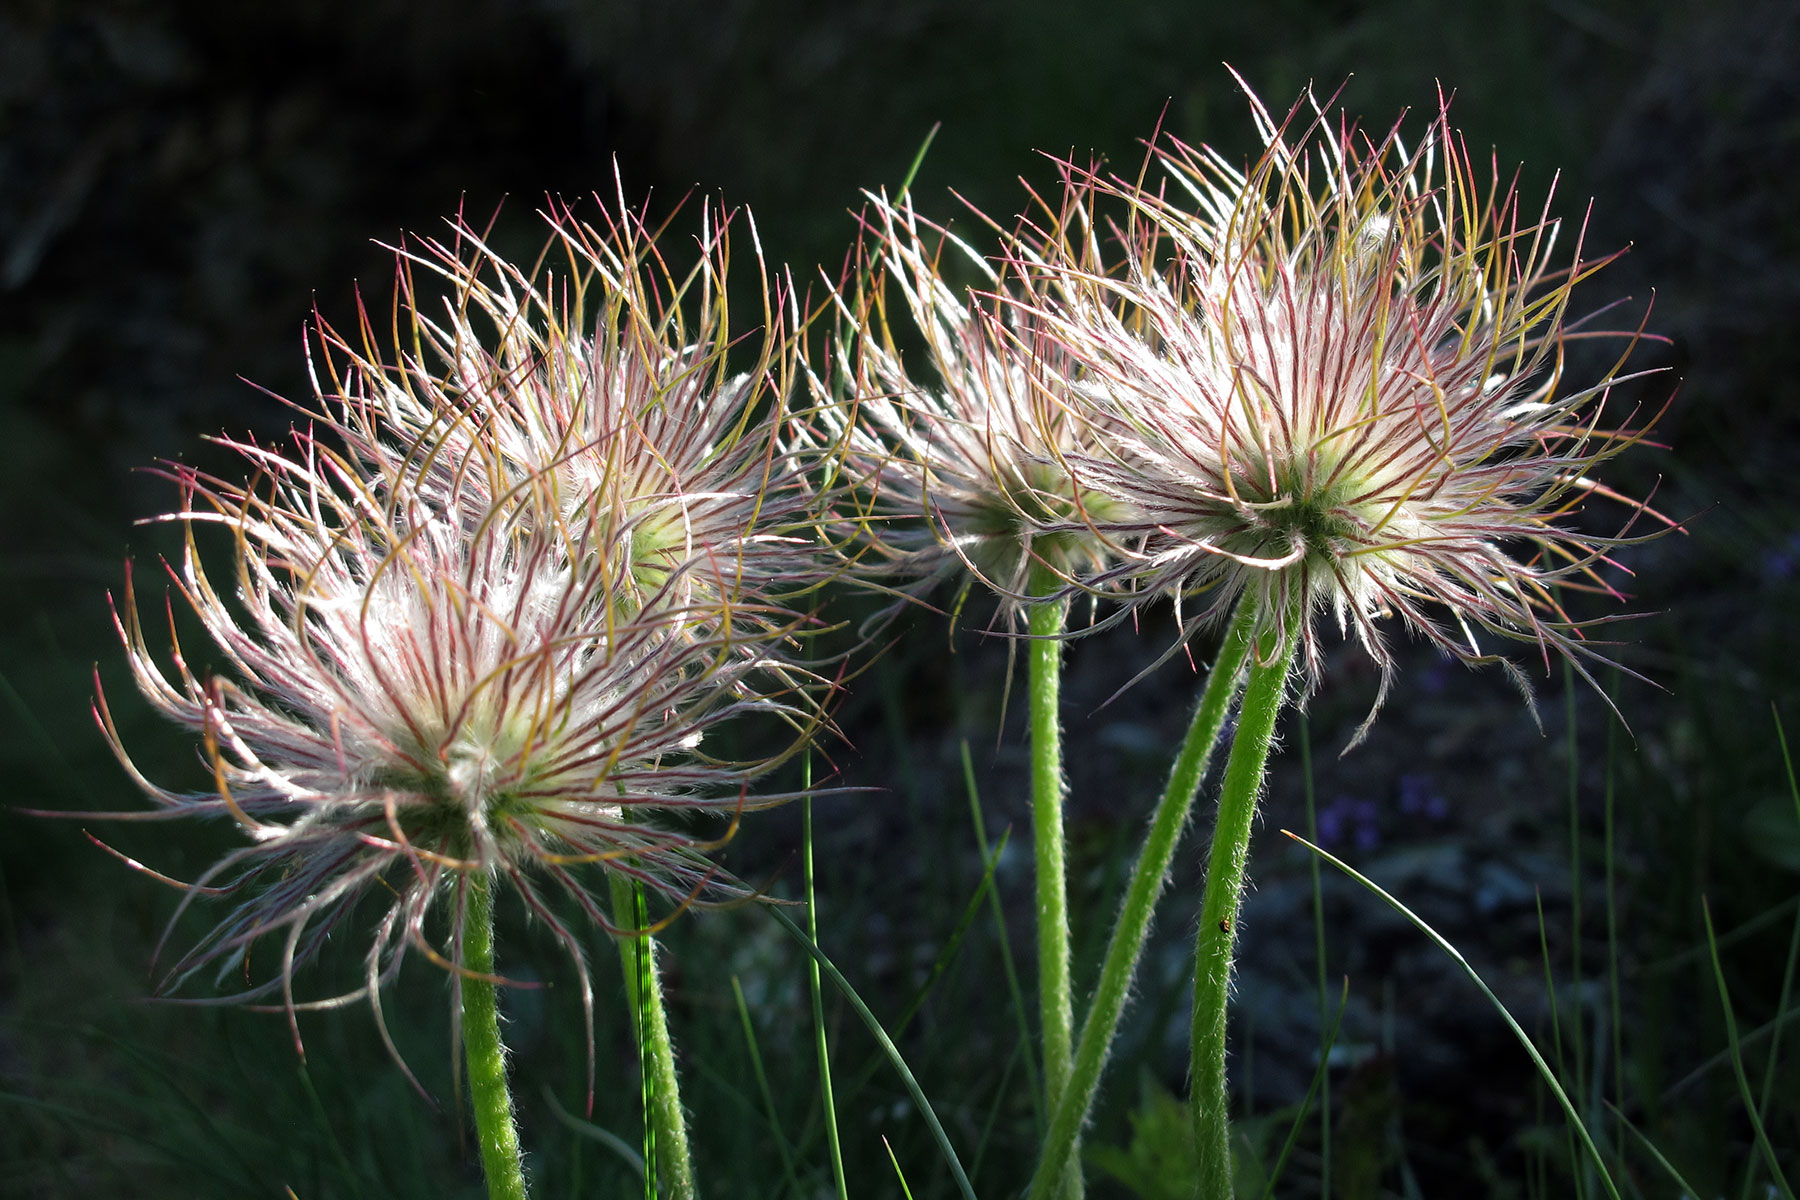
1318 899
1612 932
1044 622
1147 878
1787 976
762 1082
1737 1061
643 988
1006 958
1264 692
823 1045
492 1100
1547 1075
1578 1030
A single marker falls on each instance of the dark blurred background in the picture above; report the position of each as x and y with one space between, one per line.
181 183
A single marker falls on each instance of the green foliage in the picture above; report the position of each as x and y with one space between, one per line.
1159 1161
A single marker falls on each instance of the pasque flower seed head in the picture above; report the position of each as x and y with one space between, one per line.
962 456
1336 382
447 651
614 385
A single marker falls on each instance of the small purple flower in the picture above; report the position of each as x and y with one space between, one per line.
1779 562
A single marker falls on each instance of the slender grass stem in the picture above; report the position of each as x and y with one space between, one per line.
643 986
1770 1158
822 1043
1318 901
888 1048
1006 957
789 1175
1545 1073
494 1127
1615 1007
1147 879
1263 695
1578 1027
1056 1009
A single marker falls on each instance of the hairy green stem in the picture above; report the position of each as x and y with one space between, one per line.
494 1128
643 989
1147 878
1263 695
1056 1009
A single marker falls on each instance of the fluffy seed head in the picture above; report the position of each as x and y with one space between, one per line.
1335 382
611 383
434 664
961 460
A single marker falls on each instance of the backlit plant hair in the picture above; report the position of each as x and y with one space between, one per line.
960 456
488 606
1336 382
614 384
1333 382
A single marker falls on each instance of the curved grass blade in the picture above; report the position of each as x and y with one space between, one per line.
338 1153
1737 1061
1787 975
1319 1076
762 1081
1524 1038
1013 989
952 945
818 997
887 1045
588 1129
1687 1189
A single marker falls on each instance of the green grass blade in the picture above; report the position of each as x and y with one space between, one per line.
1688 1190
337 1147
762 1080
898 1173
1318 1079
971 909
158 1068
1524 1038
1793 958
1737 1060
1731 937
953 943
1755 1036
821 1042
1318 900
1768 1082
587 1129
1021 1053
887 1045
918 161
922 993
1556 1038
1016 993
